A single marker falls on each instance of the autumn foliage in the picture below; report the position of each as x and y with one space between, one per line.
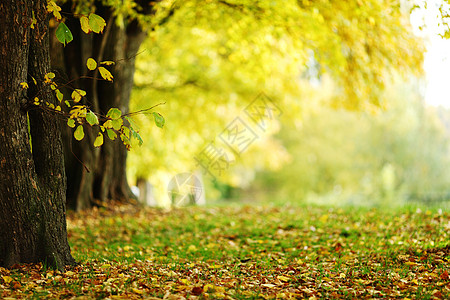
247 253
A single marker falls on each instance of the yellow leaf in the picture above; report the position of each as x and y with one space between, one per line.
108 124
106 266
140 292
48 77
79 134
71 124
98 140
52 7
84 21
24 85
215 266
33 21
268 285
78 111
283 278
91 64
107 62
105 74
323 218
7 279
209 288
77 94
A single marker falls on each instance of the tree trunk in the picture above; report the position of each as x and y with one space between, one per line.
98 175
32 178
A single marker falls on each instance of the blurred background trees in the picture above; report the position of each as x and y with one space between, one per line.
395 155
325 65
352 126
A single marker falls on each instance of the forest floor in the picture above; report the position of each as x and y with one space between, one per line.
246 253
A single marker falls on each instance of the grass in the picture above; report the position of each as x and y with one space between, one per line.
247 253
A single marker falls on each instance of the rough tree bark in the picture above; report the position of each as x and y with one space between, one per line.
32 178
97 175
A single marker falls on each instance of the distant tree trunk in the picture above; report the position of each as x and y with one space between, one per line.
32 180
98 175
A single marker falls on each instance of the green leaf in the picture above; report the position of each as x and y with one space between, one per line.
159 120
91 64
67 103
91 118
133 125
84 21
111 134
59 95
63 34
71 123
114 113
138 138
96 23
98 140
126 131
105 74
79 133
117 123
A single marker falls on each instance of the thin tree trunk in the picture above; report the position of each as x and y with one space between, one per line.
32 180
98 175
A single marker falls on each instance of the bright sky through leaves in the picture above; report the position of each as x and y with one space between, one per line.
437 57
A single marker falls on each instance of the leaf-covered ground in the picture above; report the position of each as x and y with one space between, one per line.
246 253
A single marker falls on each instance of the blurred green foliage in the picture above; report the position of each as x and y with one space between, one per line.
209 60
394 156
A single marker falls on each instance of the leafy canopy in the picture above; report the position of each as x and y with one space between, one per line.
210 59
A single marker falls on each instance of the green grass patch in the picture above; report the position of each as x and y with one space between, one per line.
247 253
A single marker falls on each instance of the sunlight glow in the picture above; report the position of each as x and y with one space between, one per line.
437 57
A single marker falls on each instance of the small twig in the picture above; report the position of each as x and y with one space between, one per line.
131 57
143 111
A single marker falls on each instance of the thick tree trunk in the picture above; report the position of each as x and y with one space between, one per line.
98 175
32 178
